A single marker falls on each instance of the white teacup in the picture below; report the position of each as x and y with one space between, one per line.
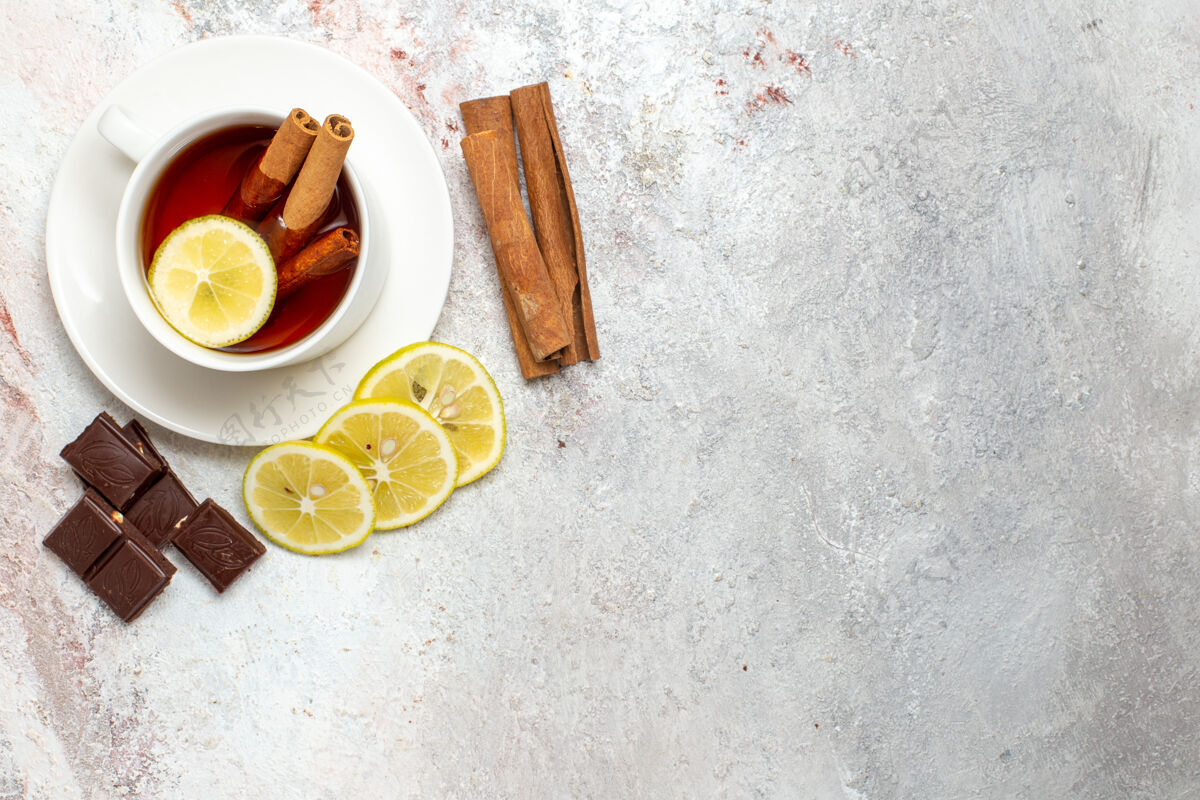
152 154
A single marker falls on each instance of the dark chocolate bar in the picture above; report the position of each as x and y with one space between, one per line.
217 545
111 555
135 432
133 505
164 504
108 461
129 578
84 533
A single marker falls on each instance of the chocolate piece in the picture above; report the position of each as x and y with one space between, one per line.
111 555
132 533
217 544
165 503
136 433
129 578
84 533
109 462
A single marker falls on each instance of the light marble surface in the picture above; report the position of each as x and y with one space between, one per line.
886 486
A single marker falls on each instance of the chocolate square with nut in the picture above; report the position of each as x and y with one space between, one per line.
111 555
136 432
163 505
110 463
129 578
84 533
217 545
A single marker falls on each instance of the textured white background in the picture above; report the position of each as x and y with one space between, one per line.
886 486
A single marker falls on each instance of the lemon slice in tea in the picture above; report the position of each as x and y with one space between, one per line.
403 453
456 390
214 280
308 498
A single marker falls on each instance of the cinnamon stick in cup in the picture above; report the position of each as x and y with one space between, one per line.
514 245
289 230
494 113
273 171
325 255
555 216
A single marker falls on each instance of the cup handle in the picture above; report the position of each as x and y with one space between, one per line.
124 134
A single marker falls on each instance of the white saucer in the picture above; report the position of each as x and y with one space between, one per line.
396 164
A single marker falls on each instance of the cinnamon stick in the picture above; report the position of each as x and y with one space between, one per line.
494 113
288 231
323 256
514 245
548 205
555 216
264 182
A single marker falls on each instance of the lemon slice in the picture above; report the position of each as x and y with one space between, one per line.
214 280
308 498
452 386
403 453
